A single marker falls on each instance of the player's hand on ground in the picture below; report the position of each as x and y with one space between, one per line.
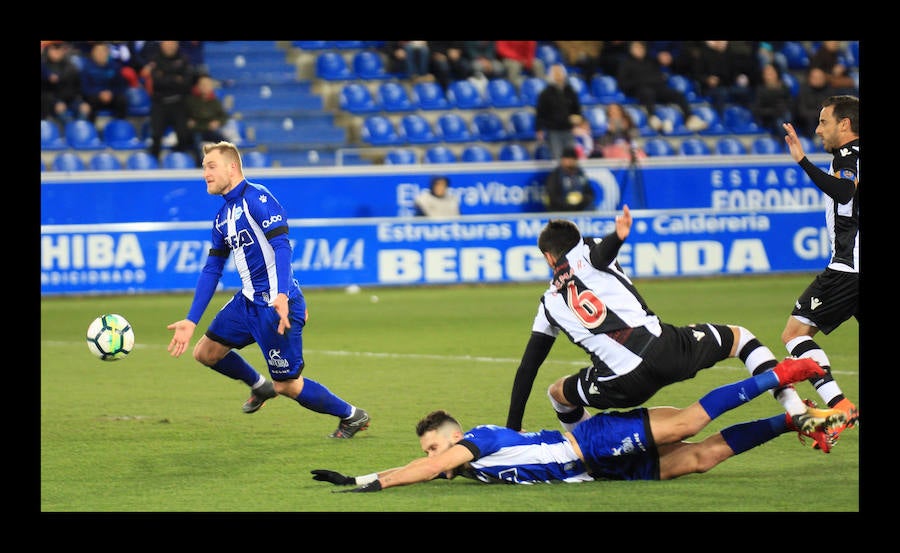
184 329
374 486
337 478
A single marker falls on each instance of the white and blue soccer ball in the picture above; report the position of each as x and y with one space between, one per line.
110 337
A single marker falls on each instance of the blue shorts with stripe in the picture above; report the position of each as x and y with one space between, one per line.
618 445
241 322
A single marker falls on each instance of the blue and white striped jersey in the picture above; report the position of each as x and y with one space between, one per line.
247 222
504 455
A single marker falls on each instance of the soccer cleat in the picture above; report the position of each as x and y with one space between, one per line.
348 427
851 416
259 396
792 370
818 424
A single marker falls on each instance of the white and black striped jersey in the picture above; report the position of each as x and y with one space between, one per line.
842 219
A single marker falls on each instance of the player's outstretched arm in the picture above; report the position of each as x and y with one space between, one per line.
184 330
795 148
623 223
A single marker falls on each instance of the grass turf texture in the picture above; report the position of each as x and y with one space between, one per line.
152 433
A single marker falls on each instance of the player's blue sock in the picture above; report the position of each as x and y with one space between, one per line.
727 397
320 399
236 367
747 435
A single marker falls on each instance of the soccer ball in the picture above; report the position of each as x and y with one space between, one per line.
110 337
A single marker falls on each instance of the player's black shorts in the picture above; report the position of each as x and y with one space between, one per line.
676 355
831 299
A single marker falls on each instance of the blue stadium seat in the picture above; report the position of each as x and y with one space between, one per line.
463 95
694 147
357 99
503 94
82 135
394 98
639 116
739 120
255 158
671 115
791 82
453 128
237 132
331 66
513 152
605 88
120 134
105 161
658 146
549 54
767 145
430 96
313 44
68 161
684 85
730 146
582 90
440 154
477 153
530 89
141 161
138 101
369 66
596 118
523 124
710 116
378 130
796 55
51 140
490 127
179 160
542 152
401 156
418 130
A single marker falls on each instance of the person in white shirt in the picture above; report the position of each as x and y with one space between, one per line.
437 201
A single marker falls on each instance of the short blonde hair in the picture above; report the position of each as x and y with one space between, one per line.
227 149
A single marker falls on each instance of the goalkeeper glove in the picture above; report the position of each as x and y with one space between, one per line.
373 486
333 477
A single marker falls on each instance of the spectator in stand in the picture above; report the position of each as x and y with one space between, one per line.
611 55
827 58
621 133
60 83
448 62
193 49
102 85
727 73
482 56
772 105
172 77
808 103
206 114
583 55
567 187
410 58
437 201
520 59
642 77
557 112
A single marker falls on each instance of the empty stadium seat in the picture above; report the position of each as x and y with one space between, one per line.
138 100
105 161
140 161
694 147
739 120
709 116
767 145
237 132
82 135
523 124
596 118
657 146
791 82
464 95
639 116
68 161
582 90
605 88
401 156
331 66
513 152
503 94
368 65
730 146
430 96
394 98
51 139
356 98
255 158
179 160
530 89
684 85
490 127
453 128
418 130
549 54
440 154
120 134
476 153
796 55
378 130
542 152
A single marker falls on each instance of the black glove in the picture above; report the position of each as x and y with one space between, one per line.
373 486
333 477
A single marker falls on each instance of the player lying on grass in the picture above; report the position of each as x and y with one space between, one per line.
640 444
